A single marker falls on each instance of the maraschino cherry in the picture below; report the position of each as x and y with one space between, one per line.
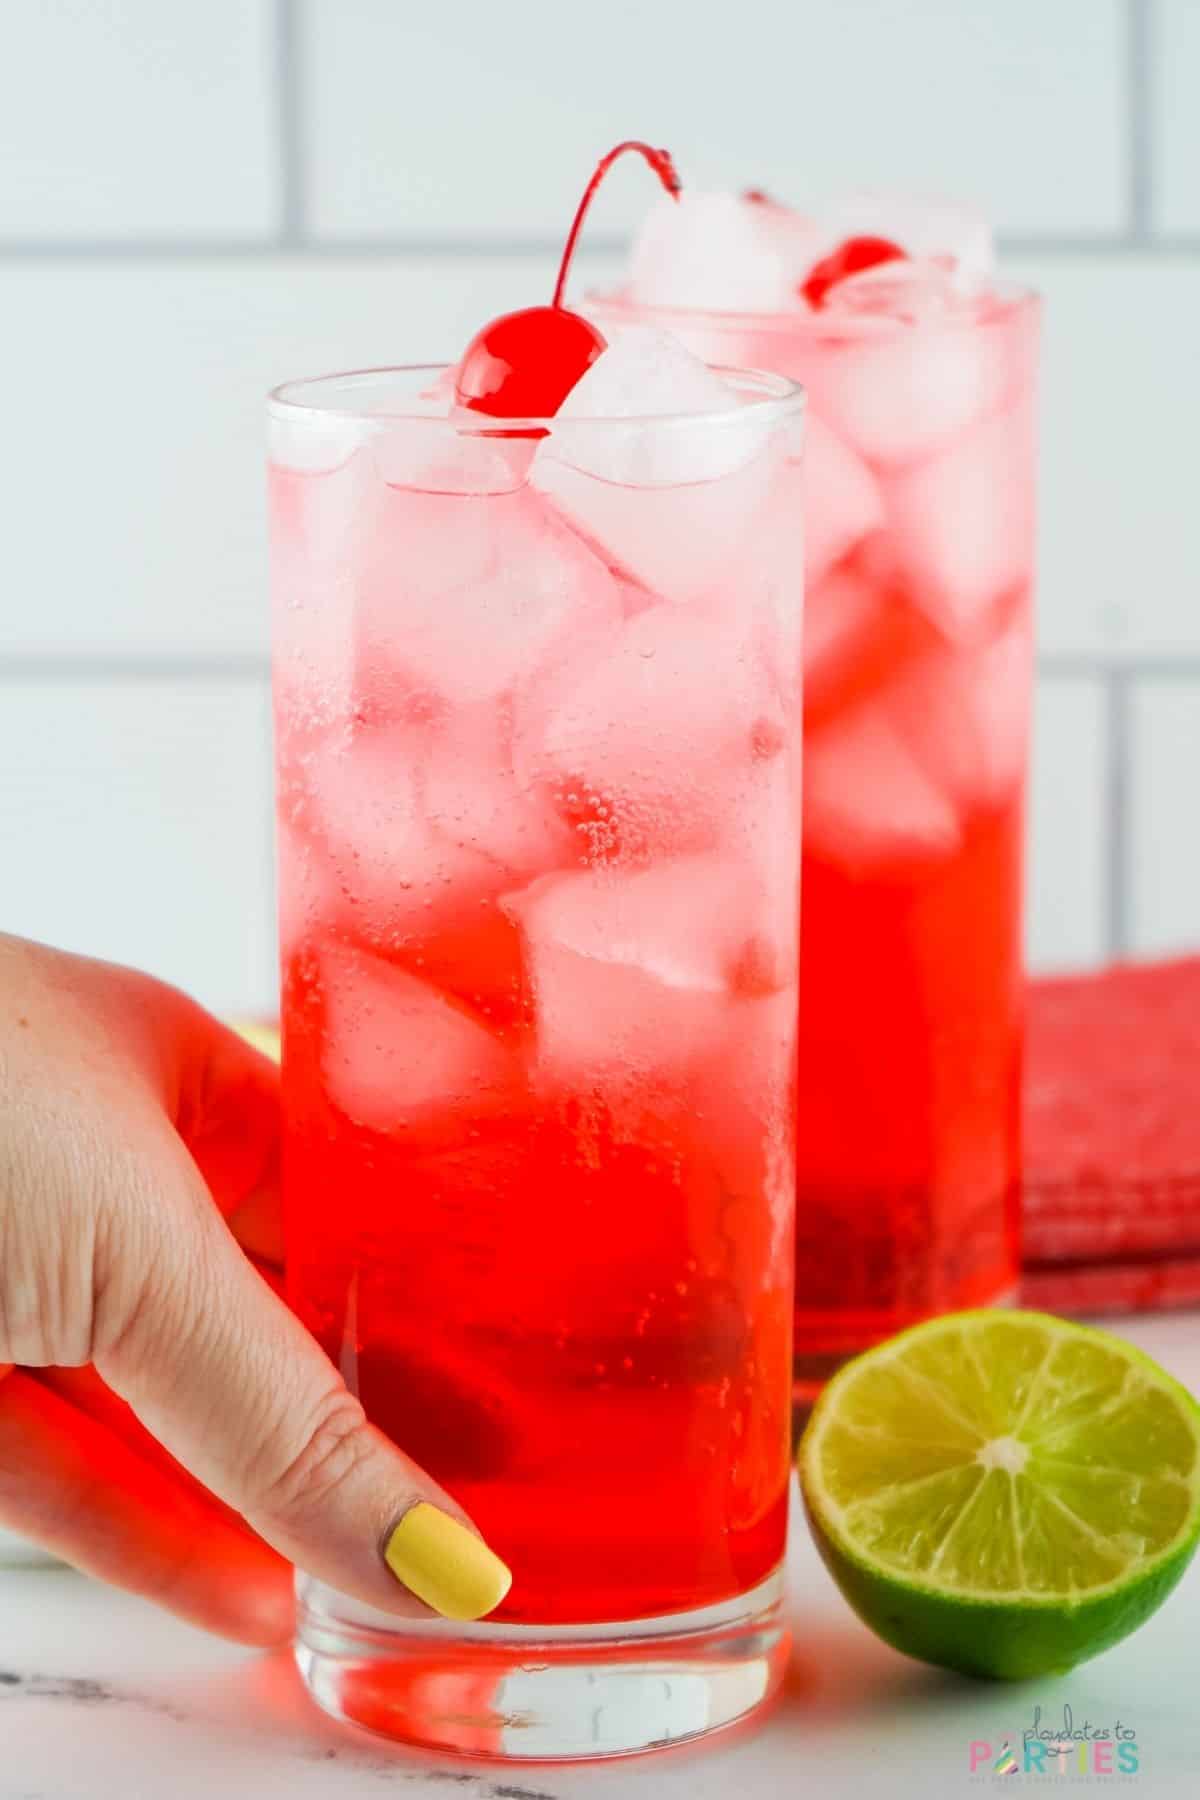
850 258
524 364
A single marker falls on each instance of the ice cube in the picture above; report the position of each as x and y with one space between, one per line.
840 614
770 570
644 734
644 376
1002 681
634 972
719 252
744 1114
310 900
859 629
794 236
315 522
842 503
962 522
677 542
867 799
363 807
964 714
394 878
471 794
923 228
667 504
463 595
310 442
396 1050
916 293
451 456
903 393
761 845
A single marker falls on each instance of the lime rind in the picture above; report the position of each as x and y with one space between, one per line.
1029 1513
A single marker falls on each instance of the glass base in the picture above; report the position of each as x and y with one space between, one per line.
514 1692
823 1344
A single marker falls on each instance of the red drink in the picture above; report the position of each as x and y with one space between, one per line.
918 556
568 1310
538 725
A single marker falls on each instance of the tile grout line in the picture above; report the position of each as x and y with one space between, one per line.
1117 816
290 99
1065 666
1139 118
132 667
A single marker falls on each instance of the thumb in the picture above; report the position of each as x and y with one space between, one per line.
228 1379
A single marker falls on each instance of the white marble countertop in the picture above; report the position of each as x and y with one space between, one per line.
103 1698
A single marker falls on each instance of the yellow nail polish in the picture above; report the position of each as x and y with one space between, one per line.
445 1565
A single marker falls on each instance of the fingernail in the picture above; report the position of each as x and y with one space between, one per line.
445 1565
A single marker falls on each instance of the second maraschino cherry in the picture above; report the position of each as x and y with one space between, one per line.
524 364
853 257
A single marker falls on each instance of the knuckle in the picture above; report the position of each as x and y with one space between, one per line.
332 1447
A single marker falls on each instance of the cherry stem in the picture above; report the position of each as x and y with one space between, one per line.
660 162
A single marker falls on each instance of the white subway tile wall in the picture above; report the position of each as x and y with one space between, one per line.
408 104
1176 77
1067 901
1119 546
139 454
198 201
1165 813
135 813
132 119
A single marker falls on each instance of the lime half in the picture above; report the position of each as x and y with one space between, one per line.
1003 1493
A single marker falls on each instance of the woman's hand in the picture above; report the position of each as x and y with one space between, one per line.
165 1421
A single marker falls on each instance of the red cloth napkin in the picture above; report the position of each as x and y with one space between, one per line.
1112 1140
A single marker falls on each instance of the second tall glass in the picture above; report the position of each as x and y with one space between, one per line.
918 550
538 738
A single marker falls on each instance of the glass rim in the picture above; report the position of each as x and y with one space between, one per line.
779 398
1012 298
